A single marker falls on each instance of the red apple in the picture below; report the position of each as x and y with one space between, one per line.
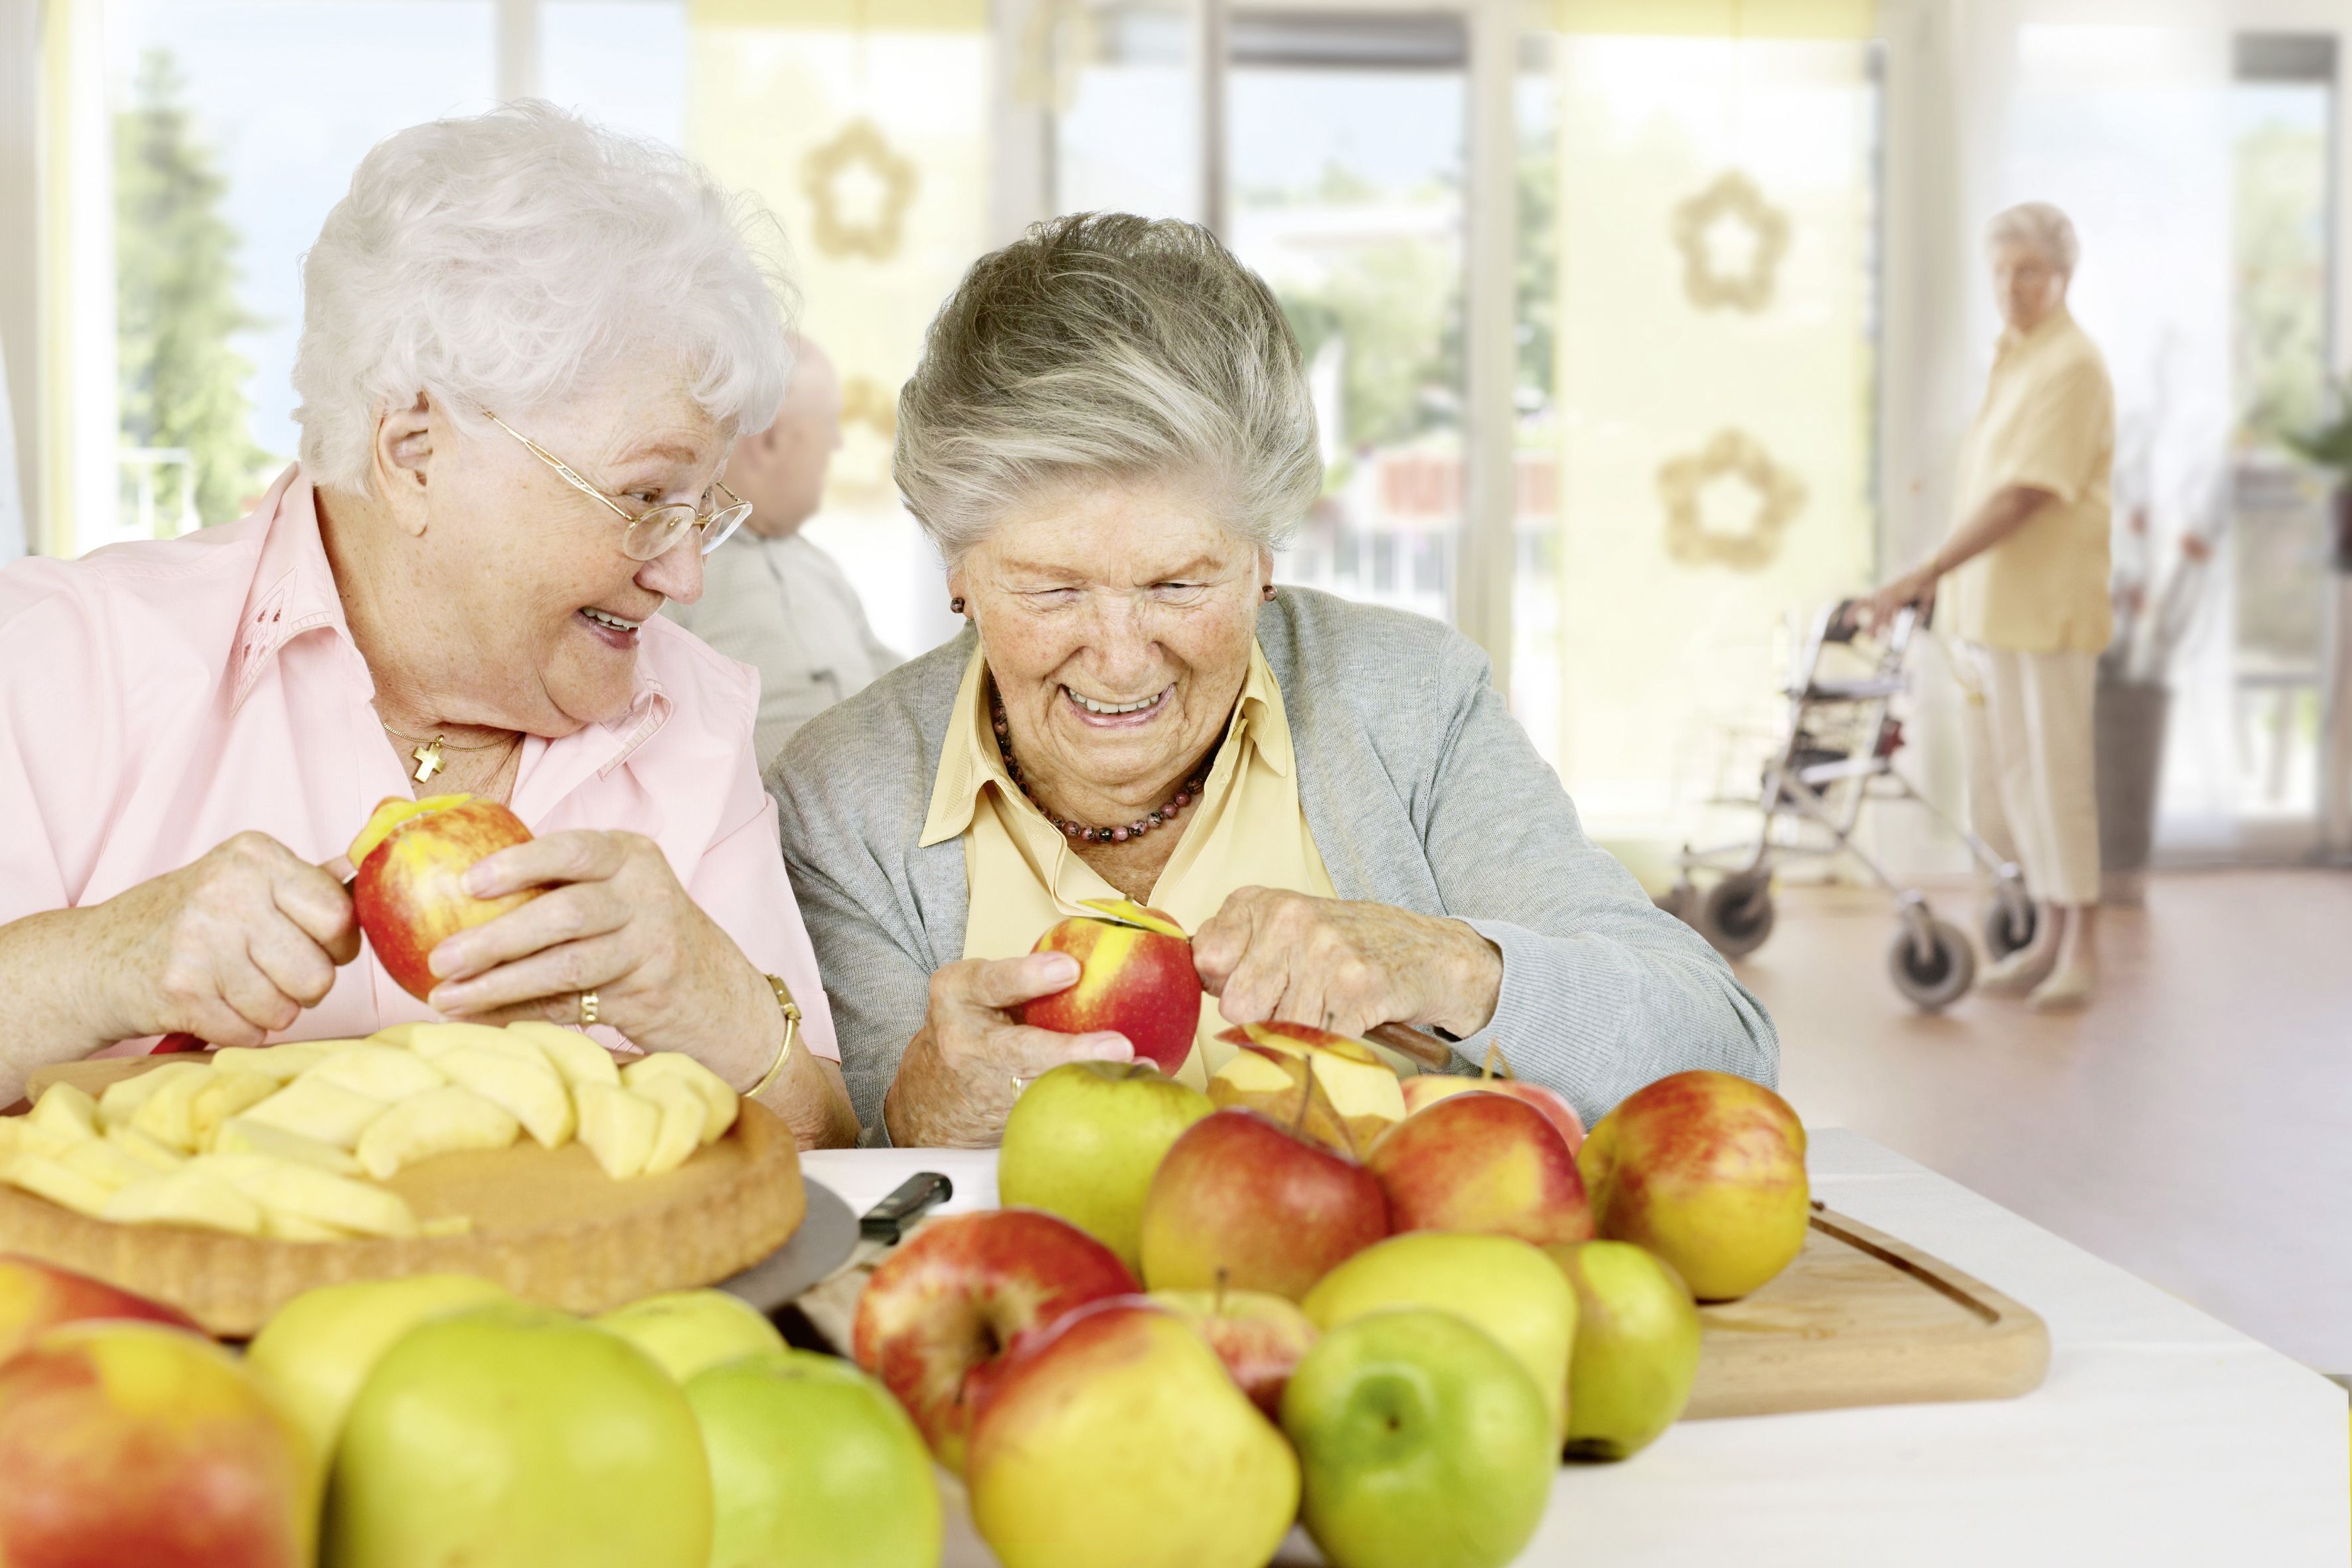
410 856
1707 1171
1115 1437
944 1306
128 1443
1259 1337
1245 1204
1134 976
35 1297
1482 1162
1429 1087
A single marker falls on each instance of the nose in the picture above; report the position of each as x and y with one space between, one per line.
1119 649
676 572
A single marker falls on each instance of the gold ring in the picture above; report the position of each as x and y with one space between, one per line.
587 1009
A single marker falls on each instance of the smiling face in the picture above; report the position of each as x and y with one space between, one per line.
1117 621
2026 284
537 607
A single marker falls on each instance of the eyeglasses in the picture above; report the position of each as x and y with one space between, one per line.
652 532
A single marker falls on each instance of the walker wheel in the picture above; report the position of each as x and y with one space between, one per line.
2004 936
1941 977
1735 916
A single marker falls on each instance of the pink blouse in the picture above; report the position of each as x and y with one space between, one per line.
157 699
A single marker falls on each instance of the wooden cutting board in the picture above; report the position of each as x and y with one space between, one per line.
1863 1318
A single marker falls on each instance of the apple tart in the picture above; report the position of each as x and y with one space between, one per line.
227 1182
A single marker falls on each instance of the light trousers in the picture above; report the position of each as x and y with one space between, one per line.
2031 784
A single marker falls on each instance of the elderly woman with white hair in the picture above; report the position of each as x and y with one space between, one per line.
527 345
2028 560
1108 435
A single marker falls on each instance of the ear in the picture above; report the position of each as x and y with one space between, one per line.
404 461
1264 569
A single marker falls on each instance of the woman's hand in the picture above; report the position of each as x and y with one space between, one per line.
1916 588
1273 956
965 1067
229 948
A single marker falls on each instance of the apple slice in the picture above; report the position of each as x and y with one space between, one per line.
244 1135
1128 912
44 1177
437 1122
313 1194
186 1196
67 1110
380 1072
573 1054
526 1089
388 814
618 1128
122 1098
434 1041
717 1100
169 1115
683 1115
325 1112
280 1064
279 1226
224 1096
104 1164
145 1150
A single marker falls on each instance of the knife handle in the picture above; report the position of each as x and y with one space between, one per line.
888 1220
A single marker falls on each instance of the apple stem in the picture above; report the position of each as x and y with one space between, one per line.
1305 1097
1217 1303
1494 1055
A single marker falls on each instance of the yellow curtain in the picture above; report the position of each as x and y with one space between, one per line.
1720 19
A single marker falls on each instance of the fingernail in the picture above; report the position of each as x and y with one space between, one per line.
1109 1048
1061 968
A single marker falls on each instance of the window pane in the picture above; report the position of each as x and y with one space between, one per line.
236 127
1346 173
620 62
1127 137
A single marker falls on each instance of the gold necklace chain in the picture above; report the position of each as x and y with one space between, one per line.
429 752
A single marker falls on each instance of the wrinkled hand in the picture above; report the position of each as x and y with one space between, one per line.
1916 587
964 1067
613 920
1345 966
228 948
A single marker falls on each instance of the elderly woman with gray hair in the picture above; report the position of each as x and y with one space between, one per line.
1108 435
527 346
2028 561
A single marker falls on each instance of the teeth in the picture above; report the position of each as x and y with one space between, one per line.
615 622
1091 706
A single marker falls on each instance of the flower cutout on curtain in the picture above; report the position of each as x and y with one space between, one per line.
1736 456
1058 41
1732 240
861 187
863 402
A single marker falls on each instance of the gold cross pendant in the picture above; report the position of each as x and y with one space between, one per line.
428 759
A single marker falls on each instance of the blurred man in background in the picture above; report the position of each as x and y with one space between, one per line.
770 597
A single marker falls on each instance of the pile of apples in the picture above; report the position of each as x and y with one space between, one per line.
1318 1295
435 1420
281 1141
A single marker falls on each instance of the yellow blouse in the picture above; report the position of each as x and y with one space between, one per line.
1247 829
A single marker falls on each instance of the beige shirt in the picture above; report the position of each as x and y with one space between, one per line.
784 608
2047 421
1247 829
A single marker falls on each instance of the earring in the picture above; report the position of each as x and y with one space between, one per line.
1267 594
955 605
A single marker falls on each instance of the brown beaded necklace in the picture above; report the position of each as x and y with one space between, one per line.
1189 792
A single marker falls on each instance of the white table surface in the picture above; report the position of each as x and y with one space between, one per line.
2161 1435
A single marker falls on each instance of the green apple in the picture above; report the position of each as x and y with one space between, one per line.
317 1350
1424 1444
508 1437
687 1330
813 1464
1083 1140
1502 1285
1636 1350
1116 1437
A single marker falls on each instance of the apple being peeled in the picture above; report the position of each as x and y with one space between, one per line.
943 1308
1134 976
409 858
1637 1346
132 1443
1707 1171
35 1297
812 1462
1259 1337
1116 1437
1427 1088
1243 1204
1482 1162
1425 1444
1083 1140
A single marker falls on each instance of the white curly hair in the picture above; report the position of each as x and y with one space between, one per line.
504 261
2040 226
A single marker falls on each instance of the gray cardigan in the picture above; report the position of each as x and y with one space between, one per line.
1422 792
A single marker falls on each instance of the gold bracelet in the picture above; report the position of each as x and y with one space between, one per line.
792 1029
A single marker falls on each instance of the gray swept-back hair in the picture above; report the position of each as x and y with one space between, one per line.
1105 347
507 261
2041 226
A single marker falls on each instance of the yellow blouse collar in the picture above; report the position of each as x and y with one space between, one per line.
969 761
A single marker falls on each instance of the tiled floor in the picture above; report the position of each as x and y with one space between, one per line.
2195 1126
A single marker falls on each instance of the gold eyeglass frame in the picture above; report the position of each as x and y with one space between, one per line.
671 520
